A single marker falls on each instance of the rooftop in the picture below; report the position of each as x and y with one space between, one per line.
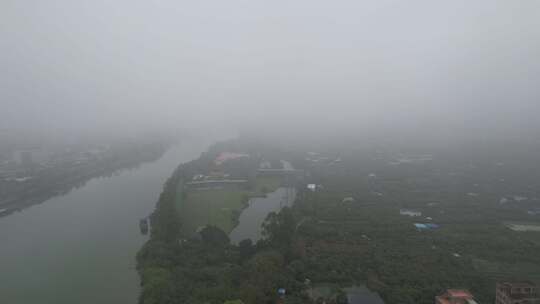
454 296
519 284
459 293
226 156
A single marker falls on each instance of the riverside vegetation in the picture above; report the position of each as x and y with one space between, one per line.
349 231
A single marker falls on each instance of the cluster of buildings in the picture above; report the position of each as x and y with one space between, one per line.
286 169
505 293
517 293
22 163
318 158
218 178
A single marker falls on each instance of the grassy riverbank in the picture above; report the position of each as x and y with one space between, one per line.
209 269
218 207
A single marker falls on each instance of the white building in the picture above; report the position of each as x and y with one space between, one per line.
412 213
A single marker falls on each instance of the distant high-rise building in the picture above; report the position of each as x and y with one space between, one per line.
31 156
517 293
455 296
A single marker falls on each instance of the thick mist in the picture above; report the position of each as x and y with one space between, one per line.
445 69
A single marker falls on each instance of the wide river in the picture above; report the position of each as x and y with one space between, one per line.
80 247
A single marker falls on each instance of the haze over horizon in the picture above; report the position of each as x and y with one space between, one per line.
419 67
292 152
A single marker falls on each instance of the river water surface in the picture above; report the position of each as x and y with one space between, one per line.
80 247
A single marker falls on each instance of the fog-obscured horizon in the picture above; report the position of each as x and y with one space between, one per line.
425 70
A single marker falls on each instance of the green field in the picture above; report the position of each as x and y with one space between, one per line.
218 207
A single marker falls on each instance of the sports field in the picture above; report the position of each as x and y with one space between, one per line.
218 207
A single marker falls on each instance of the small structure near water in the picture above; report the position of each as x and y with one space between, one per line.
409 212
425 226
348 199
143 225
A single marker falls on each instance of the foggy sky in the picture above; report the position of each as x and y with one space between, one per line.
458 66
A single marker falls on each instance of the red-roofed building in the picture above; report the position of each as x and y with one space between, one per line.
455 296
226 156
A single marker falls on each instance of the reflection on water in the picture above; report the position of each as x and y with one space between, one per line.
253 216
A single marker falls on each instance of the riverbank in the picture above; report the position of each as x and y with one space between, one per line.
191 223
60 251
219 207
59 178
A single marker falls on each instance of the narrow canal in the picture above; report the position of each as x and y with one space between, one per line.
251 218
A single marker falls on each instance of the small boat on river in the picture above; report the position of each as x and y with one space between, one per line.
143 225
